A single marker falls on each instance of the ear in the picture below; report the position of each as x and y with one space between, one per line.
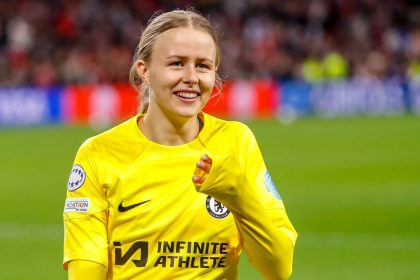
142 70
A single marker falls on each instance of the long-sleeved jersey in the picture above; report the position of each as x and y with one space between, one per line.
132 207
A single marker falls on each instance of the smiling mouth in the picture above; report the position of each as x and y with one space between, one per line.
187 95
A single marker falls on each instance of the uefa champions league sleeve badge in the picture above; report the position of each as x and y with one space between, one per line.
77 178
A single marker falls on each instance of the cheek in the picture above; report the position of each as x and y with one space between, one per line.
163 79
208 82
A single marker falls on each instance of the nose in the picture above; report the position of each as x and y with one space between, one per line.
190 75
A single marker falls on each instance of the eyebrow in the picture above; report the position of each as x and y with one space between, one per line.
186 57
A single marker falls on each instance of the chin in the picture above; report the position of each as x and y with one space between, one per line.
188 112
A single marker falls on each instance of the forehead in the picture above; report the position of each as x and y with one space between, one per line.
185 41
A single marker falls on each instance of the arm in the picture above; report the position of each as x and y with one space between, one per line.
268 236
85 214
86 270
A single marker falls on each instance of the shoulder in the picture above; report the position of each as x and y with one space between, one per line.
217 125
118 138
225 133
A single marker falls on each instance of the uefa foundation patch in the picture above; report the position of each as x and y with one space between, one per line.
76 205
216 208
77 178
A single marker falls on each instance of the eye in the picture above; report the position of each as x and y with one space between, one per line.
176 63
203 66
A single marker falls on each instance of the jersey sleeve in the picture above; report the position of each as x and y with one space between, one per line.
85 211
86 270
241 182
265 189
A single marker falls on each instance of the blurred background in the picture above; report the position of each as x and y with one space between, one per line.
45 43
331 89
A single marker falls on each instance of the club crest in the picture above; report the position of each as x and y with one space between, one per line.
215 208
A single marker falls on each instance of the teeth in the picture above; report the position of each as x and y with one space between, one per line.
187 94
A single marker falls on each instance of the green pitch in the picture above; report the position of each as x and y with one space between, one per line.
351 187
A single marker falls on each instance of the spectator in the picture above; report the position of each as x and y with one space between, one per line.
44 42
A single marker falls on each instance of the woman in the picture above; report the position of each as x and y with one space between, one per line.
132 209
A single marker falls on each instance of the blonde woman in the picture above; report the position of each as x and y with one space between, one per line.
174 193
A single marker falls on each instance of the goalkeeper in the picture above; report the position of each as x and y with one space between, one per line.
174 193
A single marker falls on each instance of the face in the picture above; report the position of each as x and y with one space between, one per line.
181 72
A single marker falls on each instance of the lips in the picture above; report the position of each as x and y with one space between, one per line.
187 94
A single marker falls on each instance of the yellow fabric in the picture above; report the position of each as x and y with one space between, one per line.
335 66
414 70
173 231
86 270
312 70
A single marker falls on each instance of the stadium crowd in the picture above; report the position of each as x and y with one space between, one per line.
47 42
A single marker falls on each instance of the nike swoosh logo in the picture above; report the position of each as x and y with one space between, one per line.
122 208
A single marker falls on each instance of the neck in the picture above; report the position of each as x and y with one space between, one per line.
170 132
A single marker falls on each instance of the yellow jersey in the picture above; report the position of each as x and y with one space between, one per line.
132 207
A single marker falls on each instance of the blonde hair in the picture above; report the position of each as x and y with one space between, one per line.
158 24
